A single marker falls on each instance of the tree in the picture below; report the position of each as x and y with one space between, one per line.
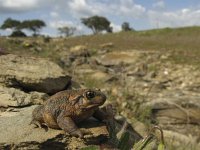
18 33
11 24
33 25
67 31
97 24
125 27
15 25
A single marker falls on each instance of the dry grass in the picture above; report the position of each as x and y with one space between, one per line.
182 43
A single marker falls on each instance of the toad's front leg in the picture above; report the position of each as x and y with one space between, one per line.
68 125
100 115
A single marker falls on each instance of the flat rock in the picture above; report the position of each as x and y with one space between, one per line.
115 58
17 98
99 75
17 133
80 50
177 111
32 74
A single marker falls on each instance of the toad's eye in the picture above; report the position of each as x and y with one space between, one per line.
90 94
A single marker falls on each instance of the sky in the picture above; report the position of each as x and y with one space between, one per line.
140 14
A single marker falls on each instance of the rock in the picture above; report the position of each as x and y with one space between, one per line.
98 75
66 60
83 69
116 58
80 50
17 133
107 45
139 70
77 55
181 77
17 98
3 51
92 73
180 140
176 111
32 74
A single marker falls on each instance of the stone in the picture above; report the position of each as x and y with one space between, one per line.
76 56
116 58
11 97
176 110
32 74
98 75
107 45
3 51
80 50
180 140
17 133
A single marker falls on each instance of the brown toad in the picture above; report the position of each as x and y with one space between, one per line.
67 108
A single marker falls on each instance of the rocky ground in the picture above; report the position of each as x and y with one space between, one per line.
26 82
144 87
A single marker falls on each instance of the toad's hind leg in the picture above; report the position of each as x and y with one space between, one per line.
37 117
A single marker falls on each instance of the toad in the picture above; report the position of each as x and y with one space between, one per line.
66 109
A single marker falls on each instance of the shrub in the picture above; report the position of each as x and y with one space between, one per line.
18 33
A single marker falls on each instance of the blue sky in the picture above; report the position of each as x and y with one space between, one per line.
141 14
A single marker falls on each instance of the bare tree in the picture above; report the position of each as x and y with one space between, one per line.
67 31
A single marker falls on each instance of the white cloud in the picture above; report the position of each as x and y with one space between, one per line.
17 5
160 4
82 8
61 23
116 27
9 30
54 14
129 8
183 17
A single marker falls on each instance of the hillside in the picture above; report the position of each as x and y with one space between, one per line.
182 43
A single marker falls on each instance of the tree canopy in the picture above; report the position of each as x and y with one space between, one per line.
33 25
97 24
11 24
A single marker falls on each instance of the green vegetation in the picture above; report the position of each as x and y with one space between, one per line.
14 25
17 26
97 24
11 24
145 143
33 25
18 33
181 43
126 27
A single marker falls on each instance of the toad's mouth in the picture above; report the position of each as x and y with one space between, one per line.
91 106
